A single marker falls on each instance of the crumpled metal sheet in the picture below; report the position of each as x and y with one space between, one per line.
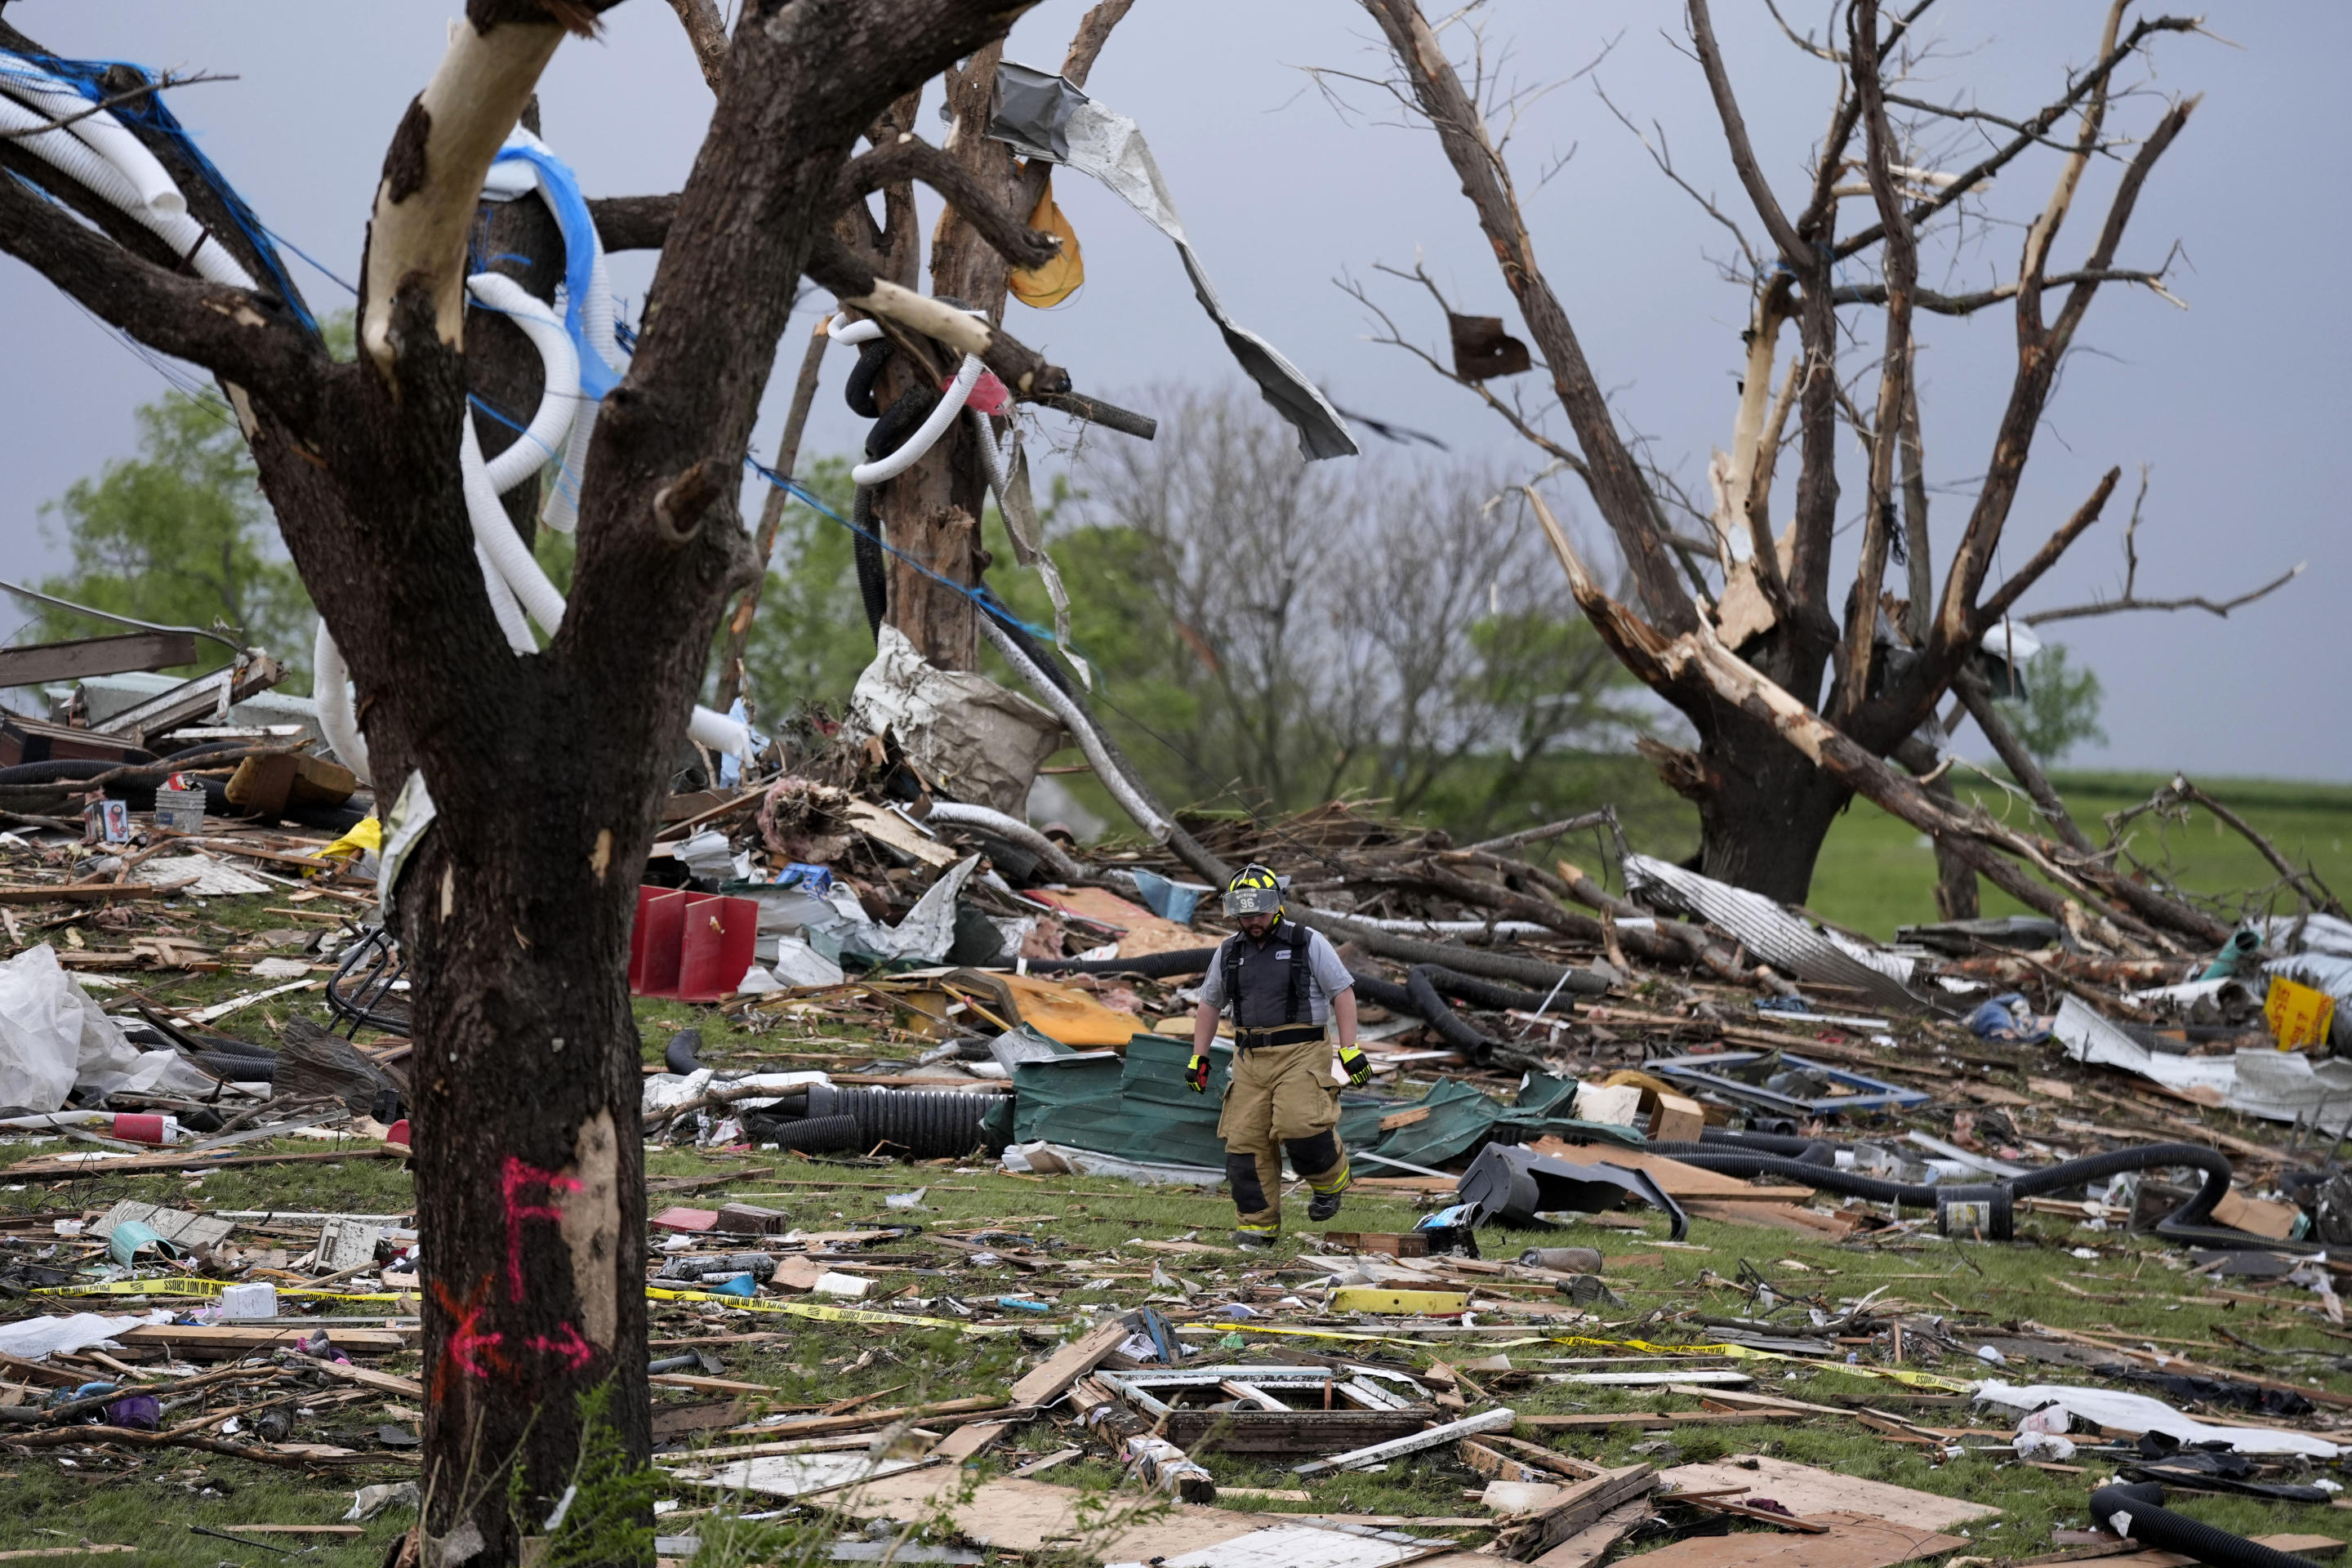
963 732
1043 116
1776 936
2277 1085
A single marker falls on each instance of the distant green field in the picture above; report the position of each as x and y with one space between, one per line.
1876 873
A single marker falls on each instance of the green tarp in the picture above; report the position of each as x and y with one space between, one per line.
1140 1109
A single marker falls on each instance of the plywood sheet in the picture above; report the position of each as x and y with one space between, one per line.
1141 930
1807 1490
1854 1541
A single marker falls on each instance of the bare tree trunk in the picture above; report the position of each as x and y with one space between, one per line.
772 518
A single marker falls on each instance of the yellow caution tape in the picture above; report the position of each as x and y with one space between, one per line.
826 1314
196 1286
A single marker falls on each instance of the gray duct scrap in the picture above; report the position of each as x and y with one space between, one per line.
1043 116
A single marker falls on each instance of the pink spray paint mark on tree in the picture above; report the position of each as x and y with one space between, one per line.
517 1182
575 1352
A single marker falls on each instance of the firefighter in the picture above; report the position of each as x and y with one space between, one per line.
1285 983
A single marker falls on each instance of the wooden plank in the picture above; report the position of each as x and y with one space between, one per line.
1485 1421
1657 1419
95 655
223 1340
366 1377
1051 1378
91 892
968 1440
297 1529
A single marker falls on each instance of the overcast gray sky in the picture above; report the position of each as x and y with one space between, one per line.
2234 403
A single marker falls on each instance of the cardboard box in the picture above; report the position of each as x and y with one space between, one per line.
1676 1119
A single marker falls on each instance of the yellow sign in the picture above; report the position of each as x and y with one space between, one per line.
1370 1298
2298 1015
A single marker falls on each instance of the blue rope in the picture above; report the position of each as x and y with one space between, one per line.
148 110
989 603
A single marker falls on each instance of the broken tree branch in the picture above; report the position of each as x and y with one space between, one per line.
1612 475
1976 697
705 30
1989 613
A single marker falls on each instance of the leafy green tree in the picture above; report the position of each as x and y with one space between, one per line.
810 640
179 534
2060 708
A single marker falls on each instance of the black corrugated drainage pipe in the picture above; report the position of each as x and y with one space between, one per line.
2139 1511
1983 1208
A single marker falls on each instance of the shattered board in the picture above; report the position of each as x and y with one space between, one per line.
213 879
178 1226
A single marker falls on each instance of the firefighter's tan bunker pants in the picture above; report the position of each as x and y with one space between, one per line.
1281 1098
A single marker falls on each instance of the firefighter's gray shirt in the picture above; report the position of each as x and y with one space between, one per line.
1265 978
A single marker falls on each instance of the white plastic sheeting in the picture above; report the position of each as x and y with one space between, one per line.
664 1090
38 1337
978 741
2139 1413
1082 135
54 1039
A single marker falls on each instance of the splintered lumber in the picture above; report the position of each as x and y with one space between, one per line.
1577 1510
1052 1377
1452 1431
1589 1546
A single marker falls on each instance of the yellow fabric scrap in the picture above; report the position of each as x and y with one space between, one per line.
1039 287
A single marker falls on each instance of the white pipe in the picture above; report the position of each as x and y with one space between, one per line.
505 608
927 433
562 511
1129 798
105 135
337 715
844 331
596 311
509 557
77 161
721 733
558 403
956 814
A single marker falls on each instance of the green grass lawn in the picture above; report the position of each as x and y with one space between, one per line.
1877 872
